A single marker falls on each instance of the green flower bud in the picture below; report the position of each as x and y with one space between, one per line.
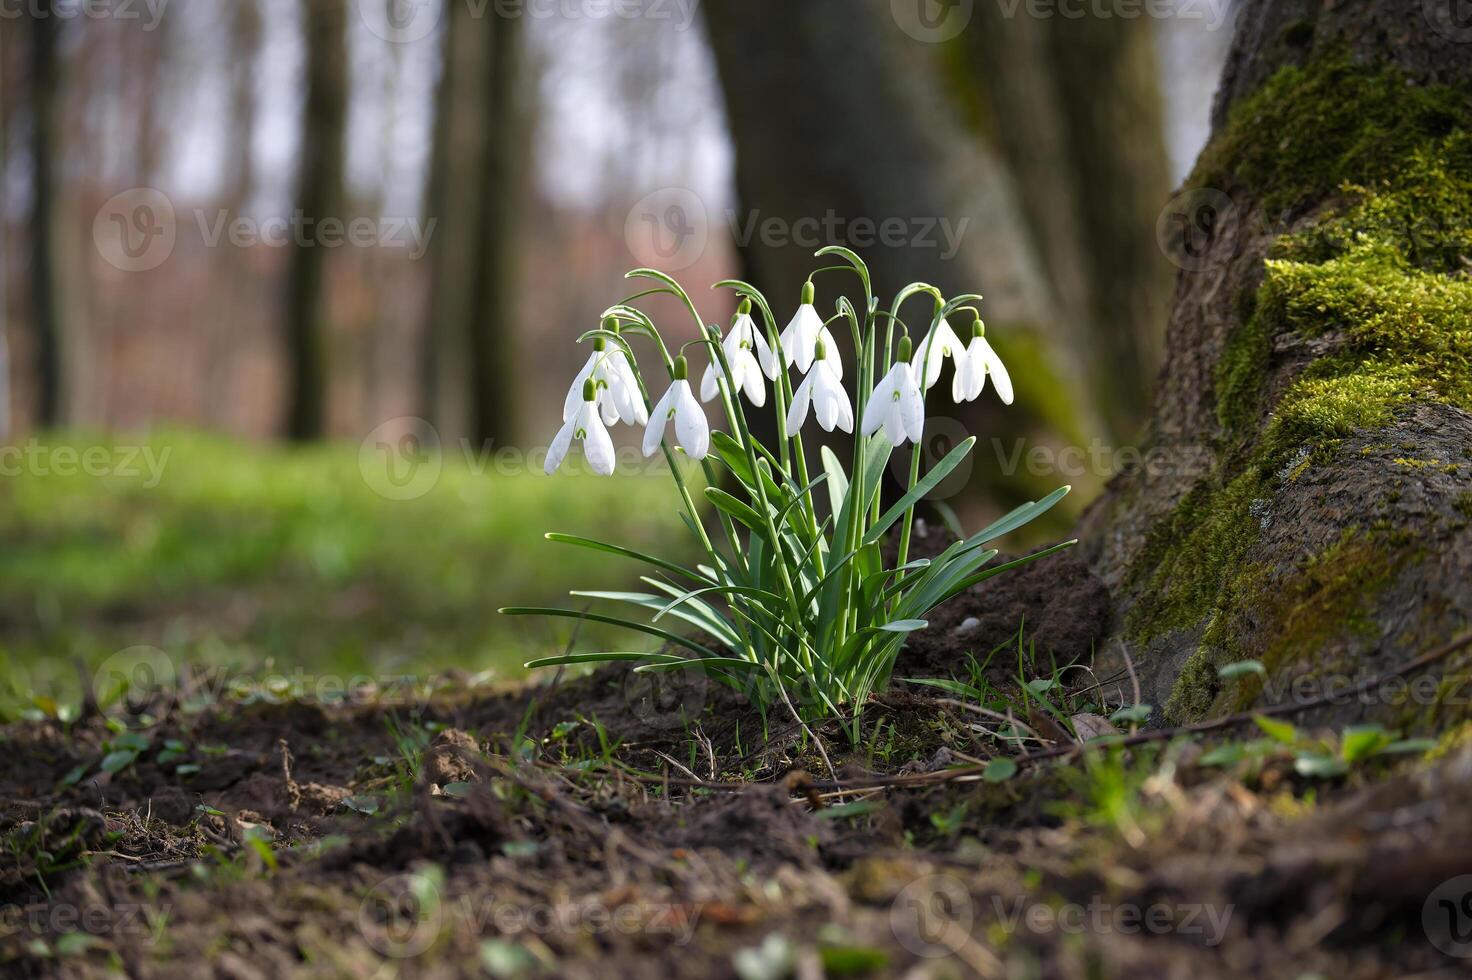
809 293
610 324
682 368
978 329
744 309
906 348
821 351
590 391
599 343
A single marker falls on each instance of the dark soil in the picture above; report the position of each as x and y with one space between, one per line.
515 843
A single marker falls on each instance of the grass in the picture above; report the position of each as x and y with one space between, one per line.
262 559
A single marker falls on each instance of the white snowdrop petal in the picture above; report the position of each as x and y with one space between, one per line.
598 447
691 426
557 452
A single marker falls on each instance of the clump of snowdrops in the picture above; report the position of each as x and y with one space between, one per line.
800 608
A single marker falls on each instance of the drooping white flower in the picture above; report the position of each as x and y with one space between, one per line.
587 427
896 406
806 329
616 388
692 429
750 357
981 361
822 390
939 344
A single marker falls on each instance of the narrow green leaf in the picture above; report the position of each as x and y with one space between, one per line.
614 549
612 621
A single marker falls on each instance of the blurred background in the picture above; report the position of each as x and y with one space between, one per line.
289 288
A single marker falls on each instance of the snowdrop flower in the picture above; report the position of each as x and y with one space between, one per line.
823 390
586 426
691 427
800 339
897 406
615 386
939 344
981 360
750 357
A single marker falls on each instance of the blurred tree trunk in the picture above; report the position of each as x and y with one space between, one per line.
319 195
839 115
477 173
7 88
493 353
1074 105
233 263
45 316
1306 502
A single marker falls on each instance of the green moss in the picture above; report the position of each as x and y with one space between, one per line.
1310 129
1381 282
1195 690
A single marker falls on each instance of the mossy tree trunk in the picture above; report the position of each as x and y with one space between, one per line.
1307 498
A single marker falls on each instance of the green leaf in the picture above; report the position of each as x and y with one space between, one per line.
1279 731
735 508
119 760
362 804
905 626
1318 766
837 478
999 770
612 621
1409 745
574 659
841 961
1134 714
1362 741
1241 669
613 549
1224 755
851 811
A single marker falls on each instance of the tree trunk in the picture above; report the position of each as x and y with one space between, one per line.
45 315
1307 495
476 172
319 196
843 123
6 113
492 347
1074 105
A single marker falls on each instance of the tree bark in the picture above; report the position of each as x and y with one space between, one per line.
492 347
842 123
1074 107
319 195
1307 494
476 172
45 314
